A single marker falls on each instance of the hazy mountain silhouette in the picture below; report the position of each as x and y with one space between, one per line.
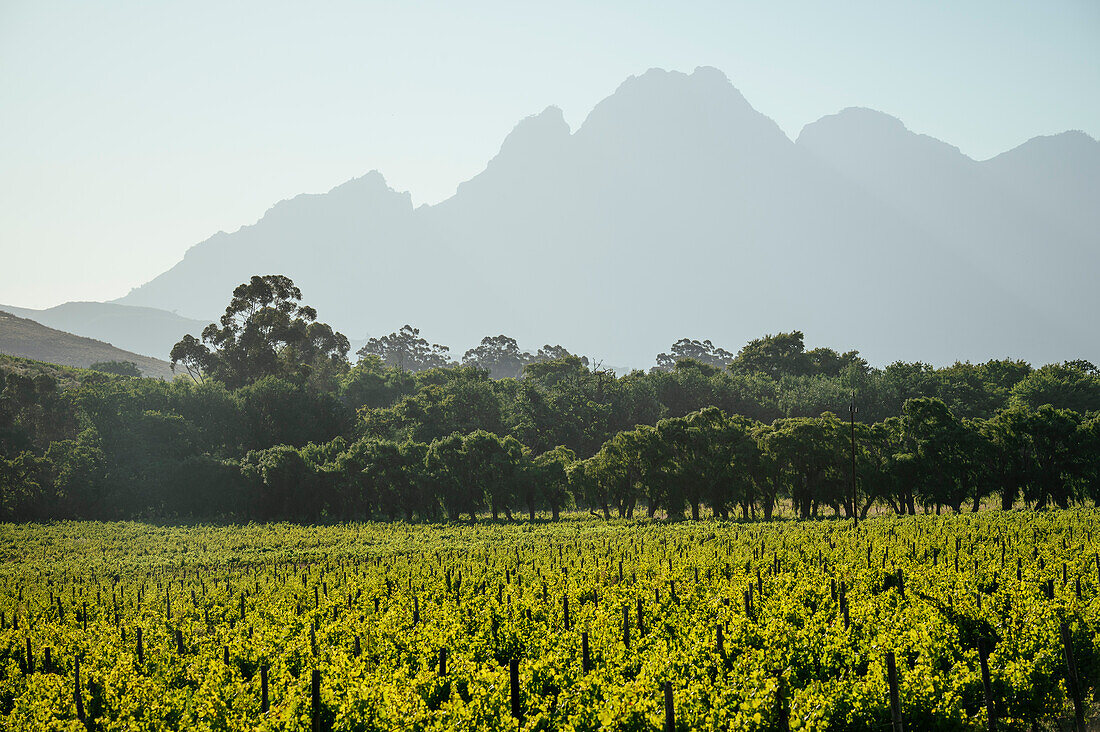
677 209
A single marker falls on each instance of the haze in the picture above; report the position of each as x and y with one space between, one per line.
135 130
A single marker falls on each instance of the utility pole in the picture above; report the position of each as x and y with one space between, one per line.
852 417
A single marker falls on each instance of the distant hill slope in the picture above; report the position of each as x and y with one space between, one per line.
148 331
676 209
67 377
28 339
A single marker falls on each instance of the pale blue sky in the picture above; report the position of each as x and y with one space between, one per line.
132 130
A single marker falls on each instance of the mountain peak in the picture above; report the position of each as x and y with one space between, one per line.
366 192
661 106
533 133
1070 142
864 117
869 132
366 184
658 86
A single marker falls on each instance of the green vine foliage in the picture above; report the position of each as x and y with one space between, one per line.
490 593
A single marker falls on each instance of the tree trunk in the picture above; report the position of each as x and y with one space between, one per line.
694 510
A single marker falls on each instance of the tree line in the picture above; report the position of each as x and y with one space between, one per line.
268 419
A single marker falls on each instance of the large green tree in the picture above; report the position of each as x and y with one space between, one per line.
265 331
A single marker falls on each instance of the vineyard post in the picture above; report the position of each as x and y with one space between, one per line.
76 692
225 655
443 661
987 686
895 697
47 663
140 649
670 711
358 649
315 701
1074 683
30 657
565 611
586 660
179 641
263 689
626 626
513 680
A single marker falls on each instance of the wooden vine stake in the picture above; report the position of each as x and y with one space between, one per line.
987 685
895 697
1072 679
513 683
315 701
586 659
263 689
670 711
76 692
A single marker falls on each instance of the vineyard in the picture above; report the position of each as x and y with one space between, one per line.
973 621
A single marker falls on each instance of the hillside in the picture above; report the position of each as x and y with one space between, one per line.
677 209
148 331
28 339
68 377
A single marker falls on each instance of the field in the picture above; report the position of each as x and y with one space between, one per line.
585 624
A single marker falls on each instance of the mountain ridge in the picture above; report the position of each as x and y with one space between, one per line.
677 208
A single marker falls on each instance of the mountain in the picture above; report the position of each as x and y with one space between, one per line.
148 331
677 209
28 339
1024 217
